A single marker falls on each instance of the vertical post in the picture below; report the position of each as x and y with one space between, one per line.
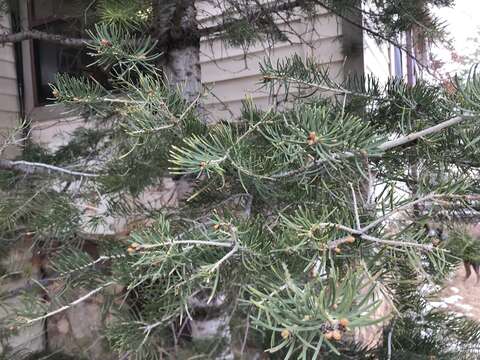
410 58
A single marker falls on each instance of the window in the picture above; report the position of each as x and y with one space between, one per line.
67 17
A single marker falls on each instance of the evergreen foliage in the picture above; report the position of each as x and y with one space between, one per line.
281 230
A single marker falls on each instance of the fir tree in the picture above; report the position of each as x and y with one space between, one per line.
285 227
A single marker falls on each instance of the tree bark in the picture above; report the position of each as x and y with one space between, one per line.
40 35
210 327
177 32
28 167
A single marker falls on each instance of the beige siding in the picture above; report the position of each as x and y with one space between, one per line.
230 74
9 101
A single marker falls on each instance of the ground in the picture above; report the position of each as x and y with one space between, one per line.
461 296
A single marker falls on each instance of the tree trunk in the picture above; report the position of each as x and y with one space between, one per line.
183 71
210 327
179 39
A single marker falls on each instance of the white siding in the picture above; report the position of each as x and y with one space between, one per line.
377 58
9 101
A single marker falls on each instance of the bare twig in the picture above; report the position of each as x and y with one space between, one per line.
396 210
92 263
72 304
388 145
36 167
419 134
389 342
247 327
433 197
225 258
183 242
40 35
355 207
347 239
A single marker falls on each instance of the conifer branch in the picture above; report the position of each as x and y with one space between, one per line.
336 90
28 167
361 234
72 304
99 260
40 35
182 242
355 207
419 134
388 145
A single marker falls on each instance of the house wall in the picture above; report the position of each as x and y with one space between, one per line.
378 59
229 74
9 100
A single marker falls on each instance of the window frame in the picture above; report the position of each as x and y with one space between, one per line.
36 100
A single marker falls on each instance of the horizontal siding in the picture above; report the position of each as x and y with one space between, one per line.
7 68
324 26
9 120
231 73
8 86
377 62
9 101
225 99
6 52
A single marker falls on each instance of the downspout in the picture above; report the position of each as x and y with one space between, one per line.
410 59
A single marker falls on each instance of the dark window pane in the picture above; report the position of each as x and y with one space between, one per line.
66 17
52 59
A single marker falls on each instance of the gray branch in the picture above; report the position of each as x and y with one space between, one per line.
387 145
40 168
40 35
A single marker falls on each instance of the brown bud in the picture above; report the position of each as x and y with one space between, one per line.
55 93
203 165
350 239
435 242
131 250
337 335
344 322
285 334
216 226
329 335
312 138
105 42
335 306
338 250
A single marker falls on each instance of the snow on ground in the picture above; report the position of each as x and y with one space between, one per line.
460 296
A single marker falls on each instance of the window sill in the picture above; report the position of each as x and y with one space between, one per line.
49 113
